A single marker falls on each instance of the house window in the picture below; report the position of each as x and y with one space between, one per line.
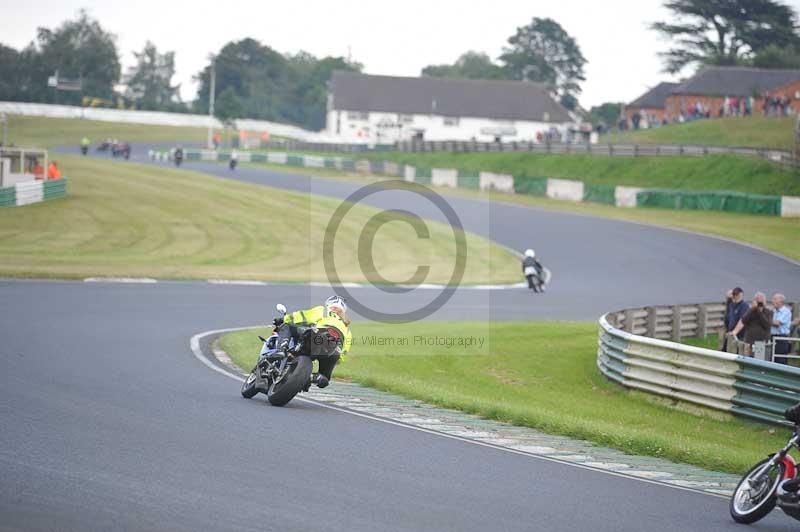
357 115
406 119
451 120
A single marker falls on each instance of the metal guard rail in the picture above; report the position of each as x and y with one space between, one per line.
743 386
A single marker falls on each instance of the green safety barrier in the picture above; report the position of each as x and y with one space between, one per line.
599 193
192 155
295 160
710 201
376 167
8 196
469 179
54 189
329 163
258 157
423 176
535 186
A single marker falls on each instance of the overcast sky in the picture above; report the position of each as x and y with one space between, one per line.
395 38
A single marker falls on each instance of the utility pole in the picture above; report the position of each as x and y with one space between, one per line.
211 95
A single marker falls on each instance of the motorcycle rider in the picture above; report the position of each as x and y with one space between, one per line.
178 157
85 142
332 314
533 271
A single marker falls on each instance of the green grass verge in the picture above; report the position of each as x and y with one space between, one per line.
42 132
540 375
711 172
754 131
125 219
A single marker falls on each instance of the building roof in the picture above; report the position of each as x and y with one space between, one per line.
736 81
655 98
501 100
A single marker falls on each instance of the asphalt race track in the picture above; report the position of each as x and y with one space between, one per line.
108 422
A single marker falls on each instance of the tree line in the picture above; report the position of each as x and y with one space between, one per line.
758 33
256 81
252 79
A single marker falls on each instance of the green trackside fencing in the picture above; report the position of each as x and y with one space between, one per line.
560 189
29 192
747 387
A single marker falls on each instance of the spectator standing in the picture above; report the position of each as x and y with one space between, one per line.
756 323
735 308
781 322
765 104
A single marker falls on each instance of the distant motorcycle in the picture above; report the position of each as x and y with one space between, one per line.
232 164
772 481
84 149
281 375
178 157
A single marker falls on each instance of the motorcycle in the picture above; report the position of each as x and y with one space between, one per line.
281 375
232 164
178 157
84 149
772 481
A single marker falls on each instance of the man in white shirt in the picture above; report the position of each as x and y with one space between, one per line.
781 323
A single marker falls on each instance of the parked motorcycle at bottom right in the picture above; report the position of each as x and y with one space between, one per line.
772 482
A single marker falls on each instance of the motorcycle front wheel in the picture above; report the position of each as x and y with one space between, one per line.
284 390
755 497
249 385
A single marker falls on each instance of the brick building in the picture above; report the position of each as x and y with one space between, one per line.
711 86
649 106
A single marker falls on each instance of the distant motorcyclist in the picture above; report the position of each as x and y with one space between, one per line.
85 142
234 160
178 156
533 271
332 314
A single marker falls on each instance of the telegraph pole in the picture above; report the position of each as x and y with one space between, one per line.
211 95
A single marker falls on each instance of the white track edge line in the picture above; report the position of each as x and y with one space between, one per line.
194 343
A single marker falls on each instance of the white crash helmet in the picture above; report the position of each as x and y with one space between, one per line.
530 253
336 302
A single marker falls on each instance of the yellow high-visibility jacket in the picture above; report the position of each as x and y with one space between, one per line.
316 316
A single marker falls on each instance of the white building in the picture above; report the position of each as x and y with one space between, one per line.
385 109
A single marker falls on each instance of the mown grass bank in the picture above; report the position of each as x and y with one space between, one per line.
125 219
541 375
755 131
712 172
42 132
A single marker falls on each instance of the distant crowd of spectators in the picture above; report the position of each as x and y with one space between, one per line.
758 322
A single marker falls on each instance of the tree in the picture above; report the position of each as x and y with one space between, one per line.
724 32
777 57
228 105
543 51
79 49
267 85
10 67
470 65
150 81
606 113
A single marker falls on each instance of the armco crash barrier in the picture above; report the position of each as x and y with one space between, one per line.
560 189
32 192
746 387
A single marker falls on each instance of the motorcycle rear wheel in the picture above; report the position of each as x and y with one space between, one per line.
746 509
284 391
